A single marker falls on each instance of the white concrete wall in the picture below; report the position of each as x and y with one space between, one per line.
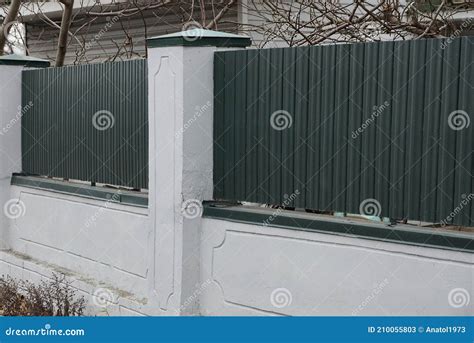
241 266
258 270
102 244
107 240
10 136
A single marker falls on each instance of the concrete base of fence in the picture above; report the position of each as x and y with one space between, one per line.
257 270
245 269
102 247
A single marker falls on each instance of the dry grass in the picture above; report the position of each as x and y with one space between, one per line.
49 298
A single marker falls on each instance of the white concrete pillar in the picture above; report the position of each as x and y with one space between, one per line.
11 112
180 69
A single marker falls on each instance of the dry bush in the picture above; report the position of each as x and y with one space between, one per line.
55 297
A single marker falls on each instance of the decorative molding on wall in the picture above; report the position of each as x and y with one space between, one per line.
258 270
164 110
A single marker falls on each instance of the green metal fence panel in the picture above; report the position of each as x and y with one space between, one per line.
372 128
87 122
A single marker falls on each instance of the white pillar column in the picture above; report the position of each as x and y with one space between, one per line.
11 112
180 78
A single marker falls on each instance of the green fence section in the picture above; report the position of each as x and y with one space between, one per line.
87 122
373 128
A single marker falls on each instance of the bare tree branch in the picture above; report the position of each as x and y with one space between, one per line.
63 33
130 11
219 15
7 23
307 22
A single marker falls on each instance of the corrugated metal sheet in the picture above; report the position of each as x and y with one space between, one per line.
87 123
399 94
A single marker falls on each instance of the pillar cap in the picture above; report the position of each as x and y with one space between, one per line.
200 37
21 60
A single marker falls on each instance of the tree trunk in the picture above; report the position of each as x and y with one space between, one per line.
63 33
11 17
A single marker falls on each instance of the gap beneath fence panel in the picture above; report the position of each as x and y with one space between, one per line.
108 193
347 226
